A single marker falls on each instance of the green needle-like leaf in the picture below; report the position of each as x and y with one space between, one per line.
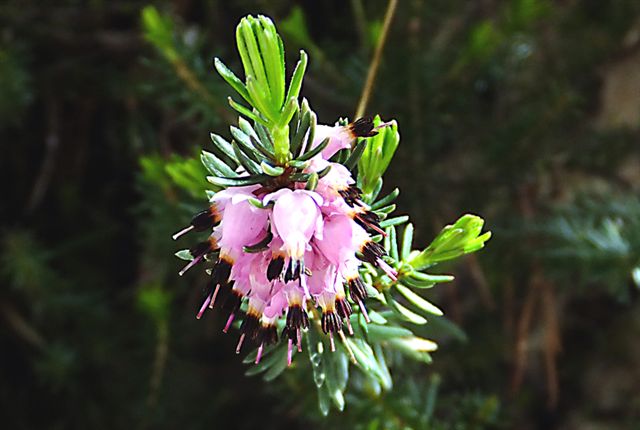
216 166
239 181
265 138
414 347
312 182
461 238
279 366
316 350
332 383
355 155
376 156
387 382
246 111
272 364
407 314
296 78
407 241
260 100
269 50
315 151
386 209
232 79
389 198
271 170
418 301
394 221
223 145
288 110
391 243
246 37
324 400
380 333
301 131
431 278
246 162
246 144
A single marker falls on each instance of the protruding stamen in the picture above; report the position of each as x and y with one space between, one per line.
203 307
333 345
357 289
299 338
343 308
369 220
346 345
349 328
330 322
297 317
289 352
372 251
384 124
229 322
390 271
182 232
363 309
213 298
259 355
377 229
190 265
239 346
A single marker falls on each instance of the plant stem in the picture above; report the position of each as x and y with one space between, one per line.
375 61
281 144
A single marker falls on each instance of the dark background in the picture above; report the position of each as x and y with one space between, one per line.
525 112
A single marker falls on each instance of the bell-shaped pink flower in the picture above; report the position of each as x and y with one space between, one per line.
242 225
295 218
337 242
341 137
334 184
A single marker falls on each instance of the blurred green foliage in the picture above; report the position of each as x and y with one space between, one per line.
501 109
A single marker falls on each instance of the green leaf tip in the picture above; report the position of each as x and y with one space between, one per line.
462 237
377 155
270 102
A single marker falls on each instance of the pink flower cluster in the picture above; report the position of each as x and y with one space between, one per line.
296 250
